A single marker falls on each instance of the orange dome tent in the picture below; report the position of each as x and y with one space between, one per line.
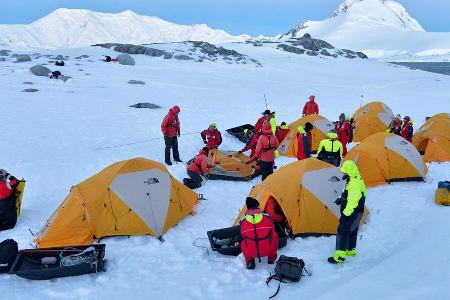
306 191
433 139
386 157
230 165
371 118
131 197
322 126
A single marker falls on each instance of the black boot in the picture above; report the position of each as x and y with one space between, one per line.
251 264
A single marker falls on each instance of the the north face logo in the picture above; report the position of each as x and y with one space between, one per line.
151 180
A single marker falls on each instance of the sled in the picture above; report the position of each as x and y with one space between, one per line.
238 131
19 194
226 241
46 263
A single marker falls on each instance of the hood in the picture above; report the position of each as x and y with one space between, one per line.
332 135
267 129
301 129
350 168
174 110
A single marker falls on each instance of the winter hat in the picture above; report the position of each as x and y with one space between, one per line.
312 97
213 125
342 116
308 127
406 119
266 112
283 123
251 203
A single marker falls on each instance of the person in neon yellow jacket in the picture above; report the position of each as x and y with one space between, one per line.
352 209
330 149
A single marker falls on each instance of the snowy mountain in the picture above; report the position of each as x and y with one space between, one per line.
69 28
376 27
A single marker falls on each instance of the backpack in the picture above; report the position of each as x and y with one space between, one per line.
8 253
287 269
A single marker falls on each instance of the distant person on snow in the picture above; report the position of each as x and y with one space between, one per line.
304 141
196 167
170 127
55 74
352 209
8 213
211 136
310 107
343 130
395 126
251 141
330 149
110 59
407 129
282 131
259 237
265 151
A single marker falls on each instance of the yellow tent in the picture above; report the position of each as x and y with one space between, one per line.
230 165
433 139
306 191
371 118
386 157
322 126
131 197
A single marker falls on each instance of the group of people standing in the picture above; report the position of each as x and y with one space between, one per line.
404 129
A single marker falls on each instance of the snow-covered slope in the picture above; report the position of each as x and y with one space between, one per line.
68 28
376 27
49 138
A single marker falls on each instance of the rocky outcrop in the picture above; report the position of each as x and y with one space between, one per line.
40 70
145 105
22 58
126 59
132 81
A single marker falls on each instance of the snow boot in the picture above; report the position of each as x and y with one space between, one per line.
251 264
351 253
337 258
169 163
178 160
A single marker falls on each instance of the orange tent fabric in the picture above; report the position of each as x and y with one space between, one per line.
306 191
131 197
230 165
322 126
386 157
433 139
371 118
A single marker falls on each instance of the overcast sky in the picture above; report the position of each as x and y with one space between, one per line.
267 17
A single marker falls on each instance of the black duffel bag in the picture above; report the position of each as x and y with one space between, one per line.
8 253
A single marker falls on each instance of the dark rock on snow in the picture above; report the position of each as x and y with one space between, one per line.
22 58
40 70
27 82
30 90
4 52
145 105
132 81
126 59
291 49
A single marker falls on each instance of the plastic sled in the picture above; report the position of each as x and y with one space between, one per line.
226 241
238 131
49 263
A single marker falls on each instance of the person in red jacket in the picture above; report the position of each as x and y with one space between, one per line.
197 166
259 237
282 131
395 126
211 136
407 129
252 140
304 141
265 119
343 132
8 213
265 151
310 107
170 128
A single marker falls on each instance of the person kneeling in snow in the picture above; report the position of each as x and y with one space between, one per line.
198 165
211 136
259 237
352 209
8 213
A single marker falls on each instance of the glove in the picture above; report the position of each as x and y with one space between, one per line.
338 201
179 133
204 141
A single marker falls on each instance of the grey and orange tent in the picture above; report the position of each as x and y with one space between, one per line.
386 157
230 165
288 146
433 138
305 191
371 118
131 197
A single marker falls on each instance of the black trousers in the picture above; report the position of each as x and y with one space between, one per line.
265 168
195 180
171 142
347 232
8 213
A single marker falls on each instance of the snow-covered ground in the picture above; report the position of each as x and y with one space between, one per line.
49 137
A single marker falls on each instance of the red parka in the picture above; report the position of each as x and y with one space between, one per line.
273 209
304 142
407 131
251 145
266 146
7 187
310 108
281 133
213 138
200 163
170 125
343 132
259 237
